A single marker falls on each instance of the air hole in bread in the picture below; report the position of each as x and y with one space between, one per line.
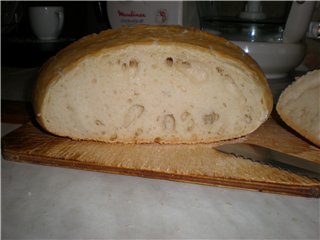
169 122
185 115
219 70
186 63
248 118
98 123
209 119
138 132
113 137
133 63
188 121
169 61
132 114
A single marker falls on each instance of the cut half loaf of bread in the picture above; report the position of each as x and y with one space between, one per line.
299 106
145 84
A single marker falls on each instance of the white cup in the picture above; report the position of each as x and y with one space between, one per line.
46 22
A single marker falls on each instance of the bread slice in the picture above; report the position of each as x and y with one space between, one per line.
145 84
299 106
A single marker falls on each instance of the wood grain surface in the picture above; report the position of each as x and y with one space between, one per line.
200 164
275 135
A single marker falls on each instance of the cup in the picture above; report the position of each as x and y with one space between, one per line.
46 22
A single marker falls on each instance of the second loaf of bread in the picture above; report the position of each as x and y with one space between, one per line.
299 106
145 84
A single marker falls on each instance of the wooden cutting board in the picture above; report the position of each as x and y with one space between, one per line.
200 164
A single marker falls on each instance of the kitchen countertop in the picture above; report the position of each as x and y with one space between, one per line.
41 202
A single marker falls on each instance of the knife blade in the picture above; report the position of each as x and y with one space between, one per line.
272 157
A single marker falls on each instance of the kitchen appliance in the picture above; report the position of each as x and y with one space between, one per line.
153 12
272 32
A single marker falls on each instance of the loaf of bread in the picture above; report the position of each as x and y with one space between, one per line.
144 84
299 106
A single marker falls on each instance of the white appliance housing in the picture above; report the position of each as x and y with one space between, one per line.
183 13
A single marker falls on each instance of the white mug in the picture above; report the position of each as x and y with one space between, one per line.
46 22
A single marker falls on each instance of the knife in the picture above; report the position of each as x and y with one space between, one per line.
272 157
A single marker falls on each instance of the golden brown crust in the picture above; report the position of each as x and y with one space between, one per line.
93 44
